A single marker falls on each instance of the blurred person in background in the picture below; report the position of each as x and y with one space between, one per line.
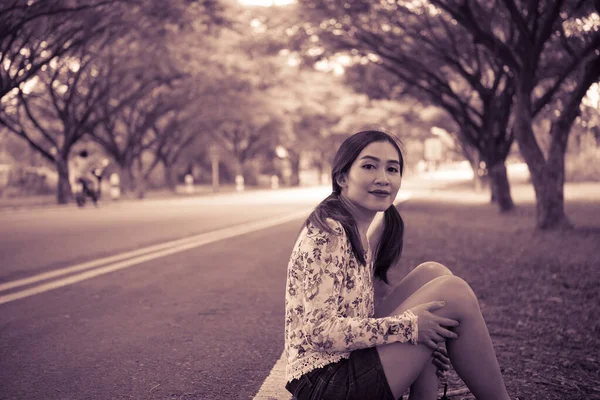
337 345
86 176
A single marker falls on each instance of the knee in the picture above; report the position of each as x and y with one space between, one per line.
433 269
458 292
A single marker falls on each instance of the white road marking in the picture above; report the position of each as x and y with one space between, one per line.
92 264
134 257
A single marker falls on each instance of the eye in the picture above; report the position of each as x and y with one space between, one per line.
368 166
393 169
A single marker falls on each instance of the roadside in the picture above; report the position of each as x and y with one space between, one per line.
521 192
452 183
8 204
16 202
455 184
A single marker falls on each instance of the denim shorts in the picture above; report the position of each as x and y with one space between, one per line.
359 377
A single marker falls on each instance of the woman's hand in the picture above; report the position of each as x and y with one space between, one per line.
432 328
441 361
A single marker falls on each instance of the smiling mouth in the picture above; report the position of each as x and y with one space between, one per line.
380 193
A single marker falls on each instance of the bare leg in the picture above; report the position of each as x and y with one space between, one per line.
413 281
426 384
425 387
472 354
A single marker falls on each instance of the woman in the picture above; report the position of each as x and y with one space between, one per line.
336 347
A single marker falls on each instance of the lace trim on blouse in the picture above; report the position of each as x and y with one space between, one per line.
311 362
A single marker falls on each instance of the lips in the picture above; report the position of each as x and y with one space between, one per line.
380 193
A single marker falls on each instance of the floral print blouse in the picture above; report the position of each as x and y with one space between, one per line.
329 304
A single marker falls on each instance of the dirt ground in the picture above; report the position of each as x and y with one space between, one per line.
539 291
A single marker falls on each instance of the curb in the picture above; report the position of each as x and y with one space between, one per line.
273 388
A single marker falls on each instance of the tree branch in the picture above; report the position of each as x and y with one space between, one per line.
546 28
546 97
518 19
463 15
34 120
571 109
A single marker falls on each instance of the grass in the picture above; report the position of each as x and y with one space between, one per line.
539 290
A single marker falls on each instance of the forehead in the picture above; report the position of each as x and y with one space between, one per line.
383 150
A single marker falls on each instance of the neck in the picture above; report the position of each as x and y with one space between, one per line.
363 222
363 219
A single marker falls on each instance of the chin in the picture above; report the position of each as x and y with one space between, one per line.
379 207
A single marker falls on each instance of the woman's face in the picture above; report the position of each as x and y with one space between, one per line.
373 180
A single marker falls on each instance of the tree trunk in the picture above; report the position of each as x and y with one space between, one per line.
500 187
547 177
141 180
169 180
141 189
487 181
550 203
127 179
321 172
238 166
63 193
295 166
549 185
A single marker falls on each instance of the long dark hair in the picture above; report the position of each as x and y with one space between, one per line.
335 206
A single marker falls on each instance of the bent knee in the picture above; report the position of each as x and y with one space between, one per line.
433 269
457 291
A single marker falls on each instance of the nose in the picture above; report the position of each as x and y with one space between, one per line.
382 178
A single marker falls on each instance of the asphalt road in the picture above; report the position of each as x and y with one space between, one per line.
203 323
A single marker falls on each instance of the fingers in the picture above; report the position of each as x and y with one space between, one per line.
434 305
441 374
442 350
447 322
441 353
431 344
438 357
446 333
437 338
440 365
441 362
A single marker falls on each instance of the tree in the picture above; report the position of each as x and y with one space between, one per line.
69 49
314 103
419 115
54 111
32 33
308 102
130 126
176 133
424 52
552 50
233 83
244 128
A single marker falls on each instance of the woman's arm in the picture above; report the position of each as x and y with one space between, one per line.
323 257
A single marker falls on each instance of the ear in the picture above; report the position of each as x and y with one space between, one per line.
342 180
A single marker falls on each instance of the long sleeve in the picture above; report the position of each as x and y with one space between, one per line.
332 297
